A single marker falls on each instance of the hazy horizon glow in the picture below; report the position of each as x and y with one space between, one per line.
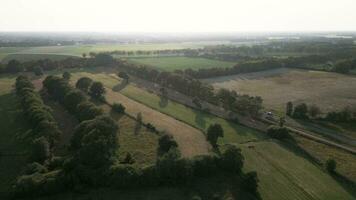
177 15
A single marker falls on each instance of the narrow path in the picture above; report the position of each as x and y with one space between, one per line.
190 140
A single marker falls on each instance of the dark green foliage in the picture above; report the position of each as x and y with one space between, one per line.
129 159
40 150
330 165
345 115
277 132
66 76
250 182
38 71
72 99
166 142
314 111
87 110
124 76
300 111
125 176
95 142
213 133
103 59
289 109
232 160
205 165
14 66
35 167
151 127
97 90
84 84
118 107
55 163
56 87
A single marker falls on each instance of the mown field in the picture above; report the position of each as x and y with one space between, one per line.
330 91
283 173
181 63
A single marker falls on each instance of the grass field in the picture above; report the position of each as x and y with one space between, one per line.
284 174
13 149
181 63
31 57
330 91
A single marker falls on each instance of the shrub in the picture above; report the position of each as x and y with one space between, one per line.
277 132
250 182
118 107
66 76
84 84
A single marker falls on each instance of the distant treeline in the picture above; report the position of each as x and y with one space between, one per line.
35 43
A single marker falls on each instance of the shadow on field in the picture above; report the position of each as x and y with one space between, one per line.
120 86
163 102
346 183
200 119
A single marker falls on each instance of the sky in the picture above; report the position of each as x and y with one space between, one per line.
178 15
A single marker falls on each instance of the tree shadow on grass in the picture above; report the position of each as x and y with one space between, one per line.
116 116
200 119
120 86
346 183
163 102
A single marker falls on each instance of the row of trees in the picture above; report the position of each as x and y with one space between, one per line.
194 88
303 111
45 131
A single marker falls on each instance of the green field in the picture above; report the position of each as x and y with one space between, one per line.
31 57
78 50
181 63
283 174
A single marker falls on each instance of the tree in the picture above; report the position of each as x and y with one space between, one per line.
314 111
40 150
166 142
250 182
73 99
84 84
232 160
87 110
282 121
289 109
66 76
14 66
118 107
214 132
97 90
84 55
38 71
124 76
278 132
103 59
331 165
301 111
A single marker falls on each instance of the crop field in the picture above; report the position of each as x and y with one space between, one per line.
284 174
78 50
181 63
13 149
330 91
346 162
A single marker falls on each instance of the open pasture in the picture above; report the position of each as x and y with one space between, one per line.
330 91
181 63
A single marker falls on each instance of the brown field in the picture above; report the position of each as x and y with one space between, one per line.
330 91
191 141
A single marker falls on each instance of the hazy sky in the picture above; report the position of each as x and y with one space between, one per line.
177 15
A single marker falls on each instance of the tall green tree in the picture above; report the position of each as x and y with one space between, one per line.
213 133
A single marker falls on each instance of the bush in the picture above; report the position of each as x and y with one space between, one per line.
87 110
277 132
84 84
97 90
331 165
118 107
166 142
